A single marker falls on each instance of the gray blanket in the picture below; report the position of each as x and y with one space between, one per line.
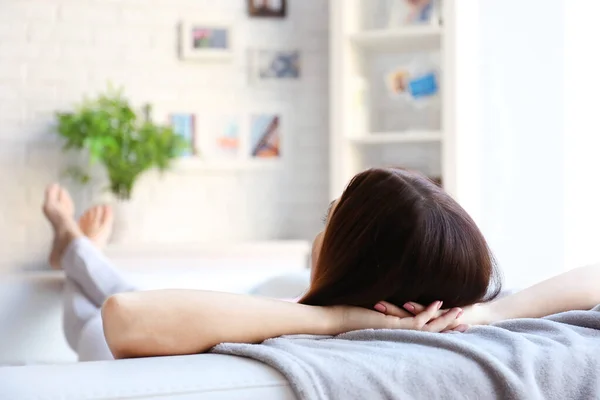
557 357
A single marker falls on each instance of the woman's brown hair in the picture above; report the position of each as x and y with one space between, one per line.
396 236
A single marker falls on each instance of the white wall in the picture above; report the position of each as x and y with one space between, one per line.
530 141
509 129
54 52
582 135
522 125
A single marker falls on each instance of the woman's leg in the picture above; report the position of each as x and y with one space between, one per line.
91 278
97 278
82 323
78 309
92 344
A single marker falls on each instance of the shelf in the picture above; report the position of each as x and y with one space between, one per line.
213 250
397 137
414 38
199 164
152 256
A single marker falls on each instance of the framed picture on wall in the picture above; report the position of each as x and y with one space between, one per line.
275 64
205 41
184 125
265 136
223 138
227 141
413 12
267 8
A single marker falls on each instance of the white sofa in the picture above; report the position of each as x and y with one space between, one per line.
205 376
36 363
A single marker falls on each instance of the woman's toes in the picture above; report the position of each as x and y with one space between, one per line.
107 215
96 224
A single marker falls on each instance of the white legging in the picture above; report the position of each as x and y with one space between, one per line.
90 279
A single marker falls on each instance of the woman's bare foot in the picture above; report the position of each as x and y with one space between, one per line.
58 209
97 223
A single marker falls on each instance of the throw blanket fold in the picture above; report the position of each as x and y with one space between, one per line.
557 357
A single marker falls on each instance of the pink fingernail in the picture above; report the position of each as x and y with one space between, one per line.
409 307
462 328
380 307
440 304
459 313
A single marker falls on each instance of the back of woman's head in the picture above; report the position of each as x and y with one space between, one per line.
394 235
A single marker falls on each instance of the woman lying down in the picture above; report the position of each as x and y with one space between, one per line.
398 263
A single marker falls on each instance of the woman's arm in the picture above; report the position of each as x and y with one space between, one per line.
172 322
578 289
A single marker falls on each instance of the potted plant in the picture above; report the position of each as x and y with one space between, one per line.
124 142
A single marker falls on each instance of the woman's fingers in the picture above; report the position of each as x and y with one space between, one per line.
408 310
427 315
448 321
414 308
390 309
431 318
460 328
418 321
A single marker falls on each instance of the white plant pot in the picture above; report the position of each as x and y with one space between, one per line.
123 229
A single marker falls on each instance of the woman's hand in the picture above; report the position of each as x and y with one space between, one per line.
429 319
476 314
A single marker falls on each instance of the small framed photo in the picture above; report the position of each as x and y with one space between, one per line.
205 41
401 83
227 143
414 12
276 64
267 8
397 81
265 136
184 125
223 140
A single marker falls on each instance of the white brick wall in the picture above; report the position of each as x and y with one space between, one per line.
54 52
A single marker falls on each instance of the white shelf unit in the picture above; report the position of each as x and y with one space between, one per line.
352 47
396 137
404 39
